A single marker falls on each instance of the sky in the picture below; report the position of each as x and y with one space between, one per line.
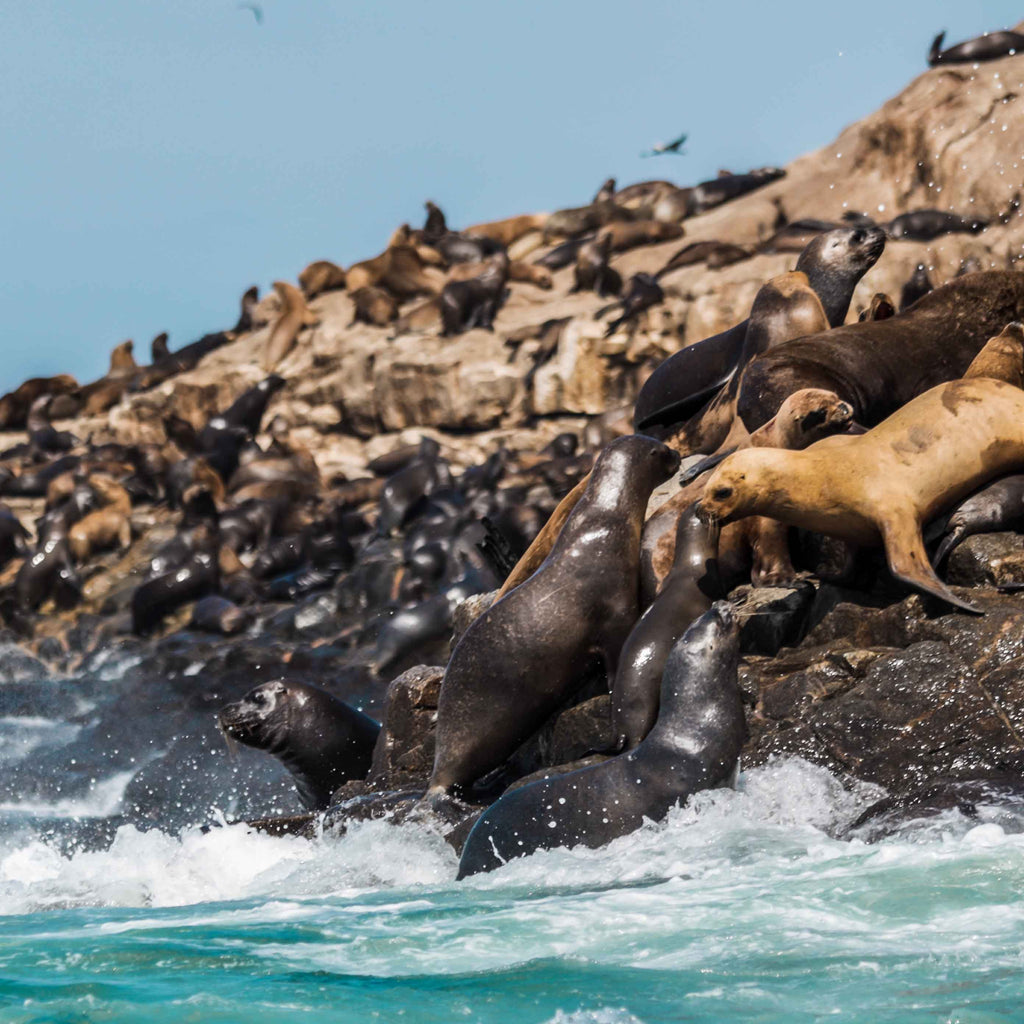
160 157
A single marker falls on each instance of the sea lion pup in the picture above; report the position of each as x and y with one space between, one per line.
878 367
374 306
882 485
592 273
917 286
880 308
642 292
321 740
107 526
686 594
987 47
321 276
926 225
509 230
14 406
474 303
295 315
695 745
523 656
1002 358
158 348
626 235
786 307
833 262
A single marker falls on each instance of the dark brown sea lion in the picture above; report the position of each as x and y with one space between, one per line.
997 506
927 225
989 46
579 220
321 740
642 292
158 347
592 273
833 262
917 286
709 194
321 276
15 405
695 745
878 367
475 303
883 485
524 655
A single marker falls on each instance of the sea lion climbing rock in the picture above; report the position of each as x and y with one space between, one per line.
519 659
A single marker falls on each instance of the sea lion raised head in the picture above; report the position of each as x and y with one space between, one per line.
835 261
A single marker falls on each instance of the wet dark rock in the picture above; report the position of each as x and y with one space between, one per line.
987 559
771 617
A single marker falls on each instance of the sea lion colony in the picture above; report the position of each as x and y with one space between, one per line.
600 592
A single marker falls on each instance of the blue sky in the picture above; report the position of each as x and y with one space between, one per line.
160 157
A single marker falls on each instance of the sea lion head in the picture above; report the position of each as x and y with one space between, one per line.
732 488
705 656
263 717
810 414
845 251
639 458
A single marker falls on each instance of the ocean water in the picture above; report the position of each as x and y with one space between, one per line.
740 907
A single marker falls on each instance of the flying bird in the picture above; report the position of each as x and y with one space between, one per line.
668 147
257 11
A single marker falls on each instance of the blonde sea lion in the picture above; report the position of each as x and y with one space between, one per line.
121 359
374 306
321 276
400 269
1002 358
625 235
529 273
882 486
105 527
294 316
509 230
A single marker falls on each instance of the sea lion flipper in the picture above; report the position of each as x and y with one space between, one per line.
908 561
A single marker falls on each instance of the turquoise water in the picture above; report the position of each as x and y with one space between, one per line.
739 908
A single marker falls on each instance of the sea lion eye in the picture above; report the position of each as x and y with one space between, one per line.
721 493
857 237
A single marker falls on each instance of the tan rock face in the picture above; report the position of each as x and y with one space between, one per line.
952 140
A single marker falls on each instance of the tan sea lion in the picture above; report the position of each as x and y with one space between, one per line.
1002 358
321 276
517 271
881 308
625 235
509 230
374 306
121 360
294 316
106 526
881 486
400 269
14 406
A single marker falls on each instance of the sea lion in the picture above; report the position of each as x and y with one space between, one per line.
13 535
986 47
786 307
592 273
215 614
14 406
927 225
374 306
686 594
321 276
673 205
105 527
880 308
701 252
726 187
424 317
642 292
606 192
400 269
509 230
878 367
1002 357
997 506
42 435
322 741
917 286
626 235
475 303
834 262
695 745
794 236
528 273
421 476
523 656
579 220
881 486
295 315
121 360
158 347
